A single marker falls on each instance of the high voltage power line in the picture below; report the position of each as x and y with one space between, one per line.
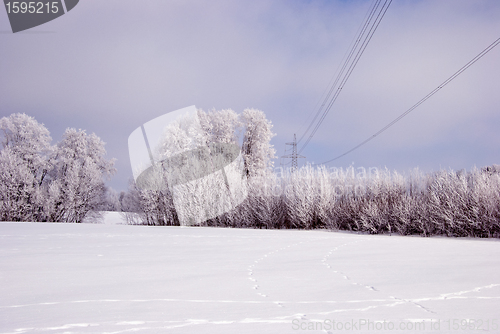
322 103
447 81
370 25
294 156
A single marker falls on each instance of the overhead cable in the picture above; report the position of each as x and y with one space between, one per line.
428 96
370 25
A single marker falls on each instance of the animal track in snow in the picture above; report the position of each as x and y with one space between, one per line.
263 258
324 261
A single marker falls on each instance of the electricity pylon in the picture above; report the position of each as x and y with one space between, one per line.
294 156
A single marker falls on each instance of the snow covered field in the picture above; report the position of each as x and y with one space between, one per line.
88 278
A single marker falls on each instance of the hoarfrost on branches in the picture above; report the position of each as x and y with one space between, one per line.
257 149
40 182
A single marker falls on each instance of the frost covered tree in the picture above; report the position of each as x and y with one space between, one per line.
264 204
80 170
28 140
111 201
40 182
257 149
192 167
148 206
224 126
300 195
19 191
220 126
24 165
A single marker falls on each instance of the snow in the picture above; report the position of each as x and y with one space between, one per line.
112 218
114 278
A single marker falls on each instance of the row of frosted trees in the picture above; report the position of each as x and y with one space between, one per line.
370 201
443 203
43 182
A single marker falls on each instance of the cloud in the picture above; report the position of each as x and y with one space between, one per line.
112 65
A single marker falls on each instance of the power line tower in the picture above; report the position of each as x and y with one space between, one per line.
294 156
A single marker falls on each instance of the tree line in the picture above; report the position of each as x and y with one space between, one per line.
449 203
66 183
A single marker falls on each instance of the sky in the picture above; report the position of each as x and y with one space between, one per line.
110 66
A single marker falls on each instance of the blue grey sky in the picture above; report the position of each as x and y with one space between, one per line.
110 66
